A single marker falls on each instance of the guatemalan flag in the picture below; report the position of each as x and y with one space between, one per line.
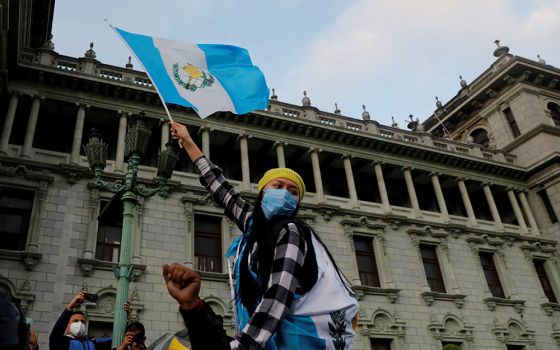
205 77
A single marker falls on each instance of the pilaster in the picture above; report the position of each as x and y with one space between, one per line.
8 123
411 191
31 125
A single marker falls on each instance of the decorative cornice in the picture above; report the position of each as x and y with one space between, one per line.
363 224
366 141
29 259
457 299
528 136
492 302
503 74
549 308
392 294
88 265
25 171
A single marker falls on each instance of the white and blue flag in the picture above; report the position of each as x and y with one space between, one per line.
205 77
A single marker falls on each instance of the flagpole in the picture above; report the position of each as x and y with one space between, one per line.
148 74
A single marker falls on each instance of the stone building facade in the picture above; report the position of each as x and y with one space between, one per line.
448 231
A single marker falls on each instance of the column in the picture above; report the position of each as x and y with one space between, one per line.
164 134
31 124
504 275
189 234
94 201
439 197
350 181
136 235
78 132
475 250
385 276
119 158
425 287
245 171
447 269
8 123
466 201
529 213
205 136
35 222
355 273
280 154
381 185
314 153
517 210
411 191
492 205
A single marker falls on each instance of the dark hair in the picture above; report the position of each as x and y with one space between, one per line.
78 312
139 337
262 234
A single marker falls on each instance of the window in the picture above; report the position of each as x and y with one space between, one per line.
365 257
491 274
15 215
515 347
100 329
208 243
109 230
480 136
444 343
548 205
432 269
452 333
380 344
512 123
545 282
554 113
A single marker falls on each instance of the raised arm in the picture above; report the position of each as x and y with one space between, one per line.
56 338
211 176
180 133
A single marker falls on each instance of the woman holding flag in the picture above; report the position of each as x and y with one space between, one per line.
289 293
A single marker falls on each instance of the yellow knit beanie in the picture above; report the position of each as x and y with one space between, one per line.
285 173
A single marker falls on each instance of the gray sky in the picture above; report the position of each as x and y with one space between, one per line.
394 56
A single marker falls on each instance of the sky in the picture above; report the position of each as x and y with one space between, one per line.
393 56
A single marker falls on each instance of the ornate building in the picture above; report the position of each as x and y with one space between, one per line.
448 231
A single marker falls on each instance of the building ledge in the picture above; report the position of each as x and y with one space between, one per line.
213 276
549 308
29 259
457 299
492 302
88 265
392 294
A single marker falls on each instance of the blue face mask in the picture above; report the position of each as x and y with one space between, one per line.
278 202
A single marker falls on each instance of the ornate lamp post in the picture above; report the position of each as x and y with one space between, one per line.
136 141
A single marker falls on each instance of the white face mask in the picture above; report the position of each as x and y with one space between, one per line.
78 329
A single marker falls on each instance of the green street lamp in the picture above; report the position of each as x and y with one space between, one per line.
136 142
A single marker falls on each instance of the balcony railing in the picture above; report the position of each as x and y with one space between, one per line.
140 80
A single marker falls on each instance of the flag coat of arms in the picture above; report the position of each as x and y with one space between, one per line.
205 77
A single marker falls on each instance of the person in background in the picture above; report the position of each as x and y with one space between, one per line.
69 331
14 330
134 338
33 341
289 292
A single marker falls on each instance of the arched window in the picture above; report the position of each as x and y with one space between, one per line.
480 136
554 113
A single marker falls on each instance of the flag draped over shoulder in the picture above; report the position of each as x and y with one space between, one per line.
205 77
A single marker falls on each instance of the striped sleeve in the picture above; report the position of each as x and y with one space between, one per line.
223 193
287 265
